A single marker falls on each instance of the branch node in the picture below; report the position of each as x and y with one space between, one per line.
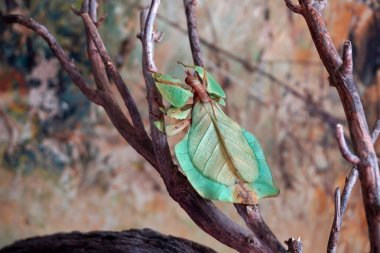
294 246
101 20
294 7
75 11
346 153
346 68
158 36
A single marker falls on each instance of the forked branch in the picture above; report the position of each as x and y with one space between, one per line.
341 77
112 70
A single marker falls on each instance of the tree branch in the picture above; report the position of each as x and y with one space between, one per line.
148 38
116 77
341 202
255 222
193 32
130 241
97 65
142 144
341 77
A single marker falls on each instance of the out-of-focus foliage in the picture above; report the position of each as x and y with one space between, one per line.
98 180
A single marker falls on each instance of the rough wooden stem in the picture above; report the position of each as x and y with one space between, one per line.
344 198
255 222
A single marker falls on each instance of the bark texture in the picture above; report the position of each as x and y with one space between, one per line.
131 241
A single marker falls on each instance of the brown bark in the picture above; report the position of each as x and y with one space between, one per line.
131 241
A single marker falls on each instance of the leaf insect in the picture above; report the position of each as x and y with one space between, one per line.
222 160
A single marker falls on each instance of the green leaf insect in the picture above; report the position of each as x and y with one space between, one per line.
221 160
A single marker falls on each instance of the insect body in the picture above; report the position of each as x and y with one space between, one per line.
221 160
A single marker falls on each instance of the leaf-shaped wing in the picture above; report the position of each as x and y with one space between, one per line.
176 128
222 160
172 89
213 87
179 113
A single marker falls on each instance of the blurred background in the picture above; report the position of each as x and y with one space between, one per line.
64 167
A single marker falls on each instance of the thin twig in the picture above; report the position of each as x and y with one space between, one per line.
116 77
193 32
346 153
148 37
347 189
97 65
334 233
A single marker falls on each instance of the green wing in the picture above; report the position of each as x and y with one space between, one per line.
223 161
179 113
172 89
